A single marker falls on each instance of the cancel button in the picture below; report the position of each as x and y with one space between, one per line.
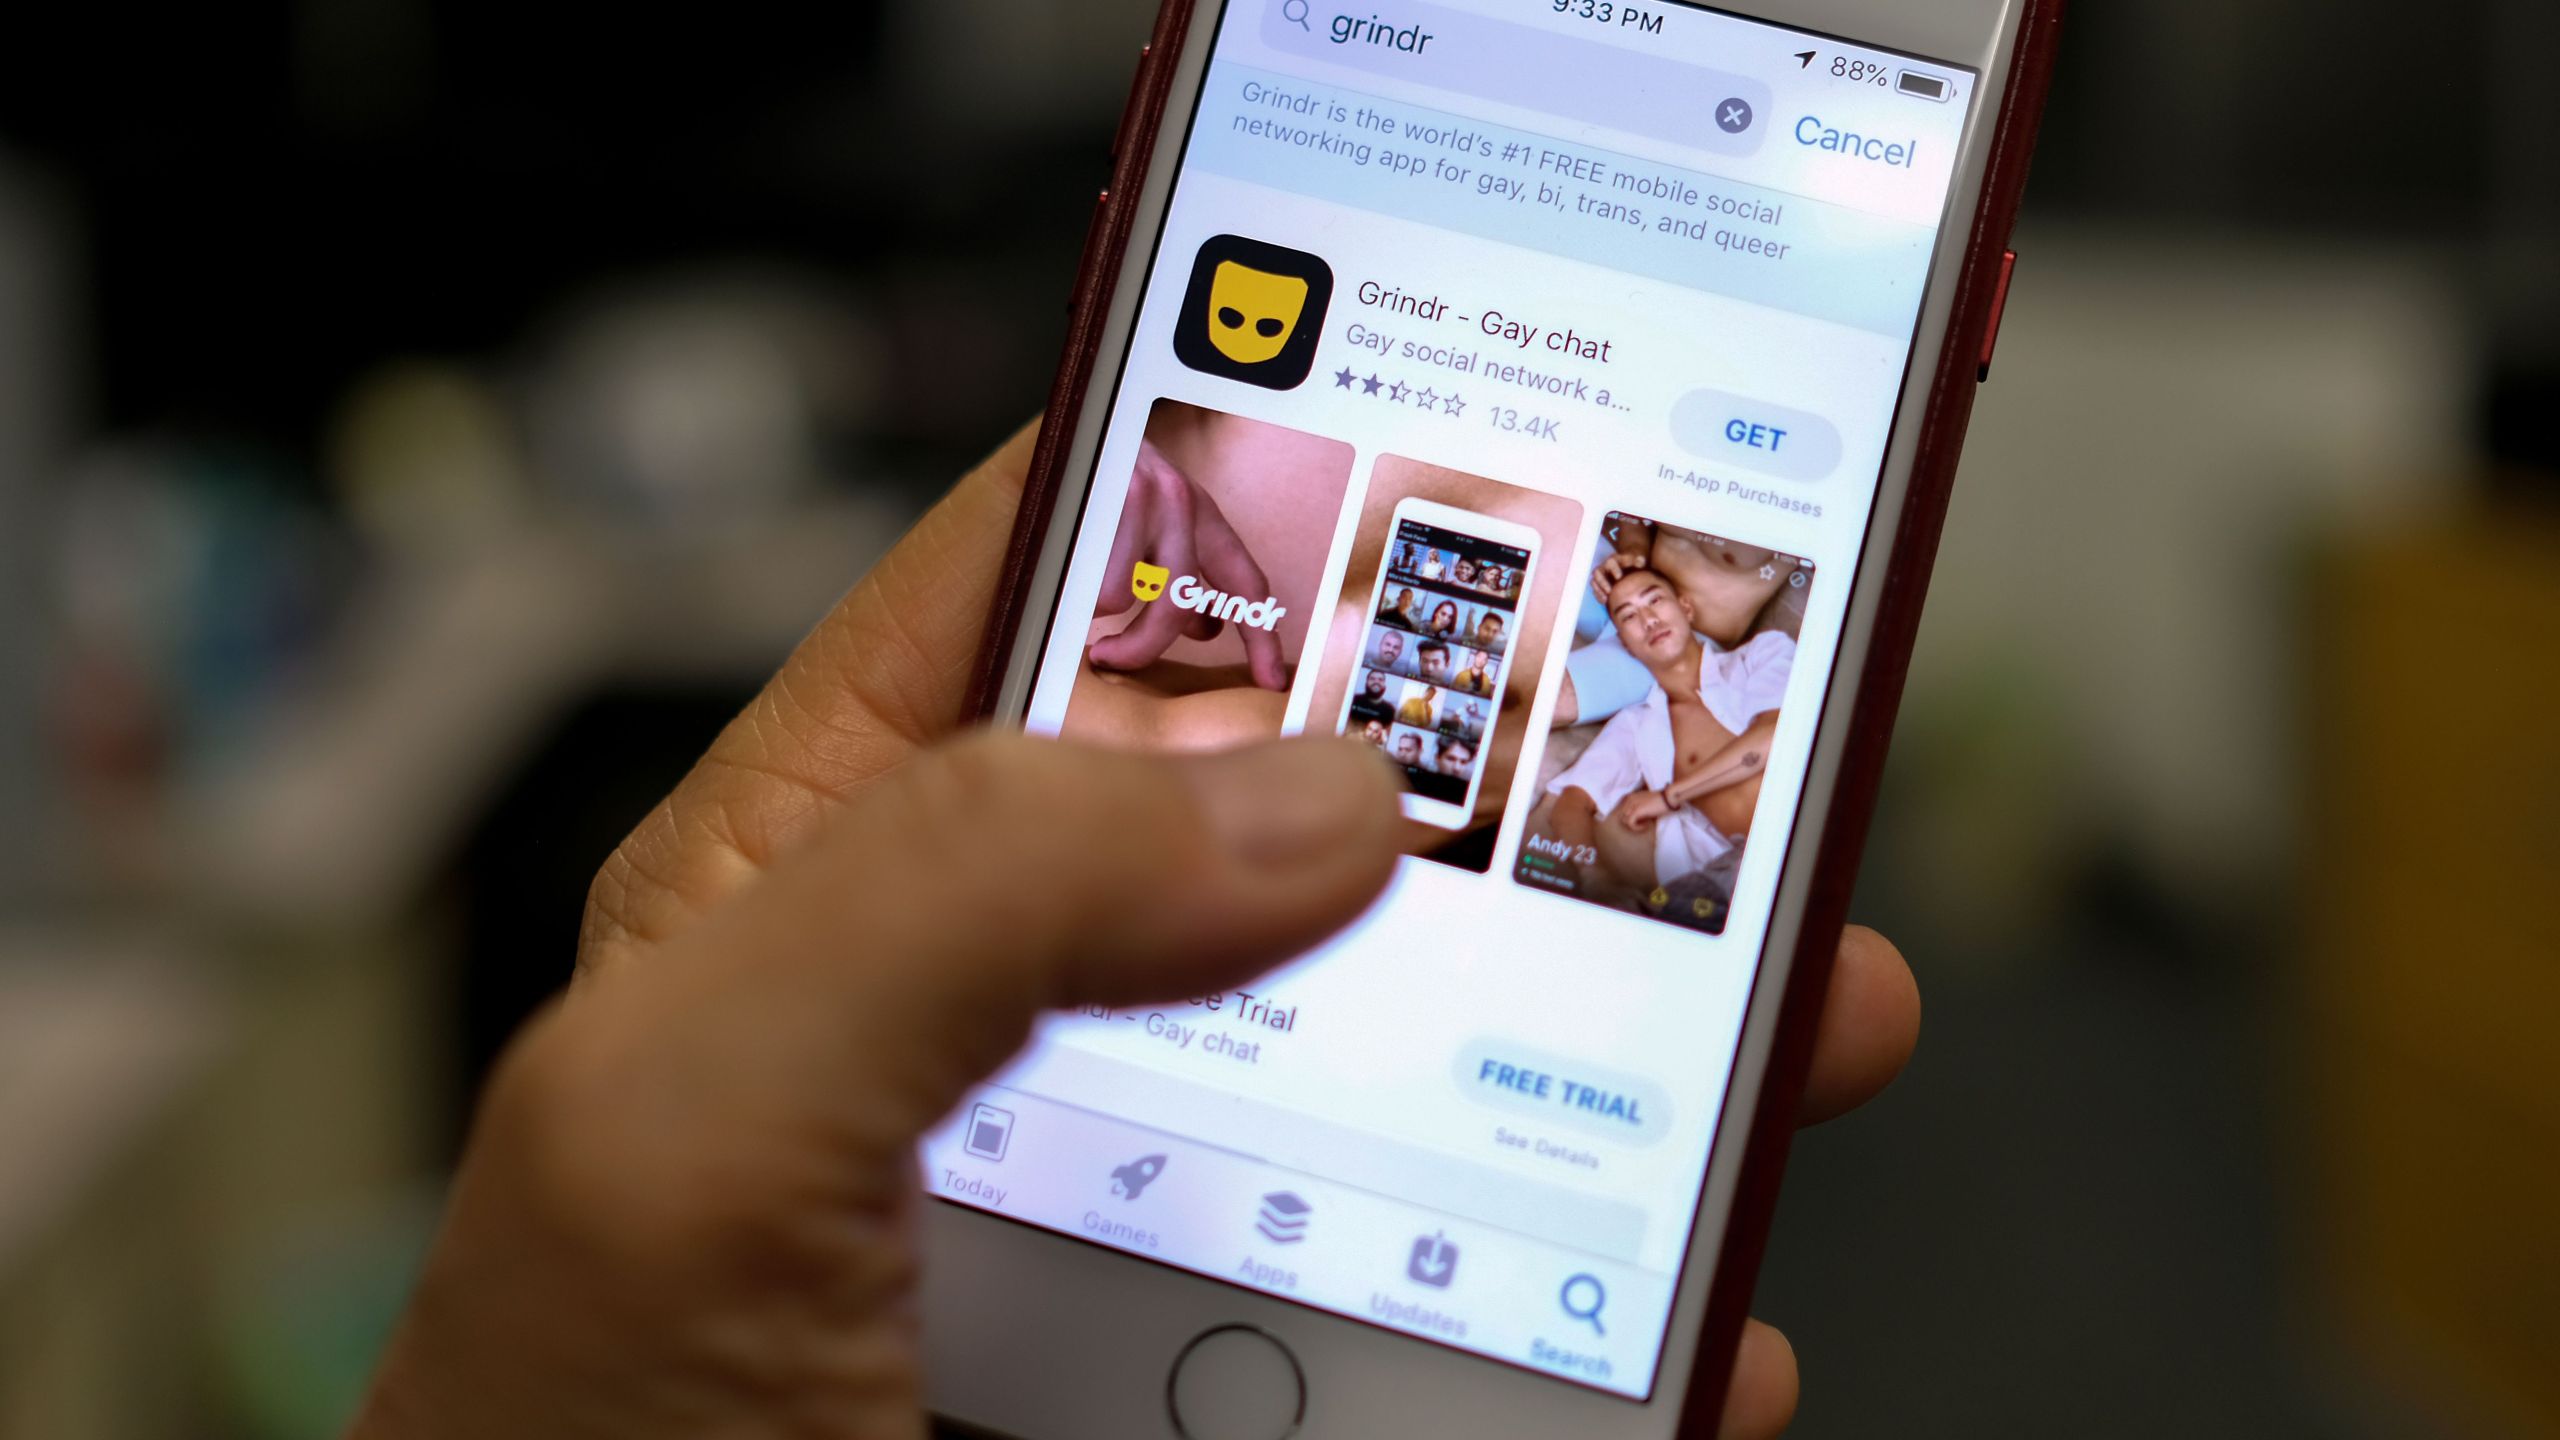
1591 1098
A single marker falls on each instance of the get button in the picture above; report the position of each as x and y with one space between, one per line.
1772 439
1758 437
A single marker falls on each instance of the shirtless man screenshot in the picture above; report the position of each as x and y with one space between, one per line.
1650 779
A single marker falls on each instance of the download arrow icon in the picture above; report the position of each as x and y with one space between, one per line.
1434 1261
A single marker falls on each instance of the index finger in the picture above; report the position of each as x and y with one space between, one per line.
884 673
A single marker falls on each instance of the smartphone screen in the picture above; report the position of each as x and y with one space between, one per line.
1428 690
1553 347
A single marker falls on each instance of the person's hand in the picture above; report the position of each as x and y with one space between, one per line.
1170 521
688 1209
736 919
1606 575
1643 811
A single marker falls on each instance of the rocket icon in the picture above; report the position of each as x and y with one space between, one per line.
1131 1179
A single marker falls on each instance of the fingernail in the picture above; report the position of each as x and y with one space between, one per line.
1290 803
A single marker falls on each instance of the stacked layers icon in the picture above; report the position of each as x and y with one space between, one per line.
1284 1218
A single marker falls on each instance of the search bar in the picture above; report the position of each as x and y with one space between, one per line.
1513 64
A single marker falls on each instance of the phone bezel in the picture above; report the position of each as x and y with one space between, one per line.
1010 1338
1442 813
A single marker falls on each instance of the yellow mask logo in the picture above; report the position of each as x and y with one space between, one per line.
1252 312
1147 581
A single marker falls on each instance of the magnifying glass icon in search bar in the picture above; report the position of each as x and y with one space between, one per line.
1295 12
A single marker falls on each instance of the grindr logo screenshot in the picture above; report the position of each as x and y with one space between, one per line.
1254 313
1147 582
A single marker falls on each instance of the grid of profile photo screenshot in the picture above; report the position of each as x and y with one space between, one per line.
1649 778
1431 662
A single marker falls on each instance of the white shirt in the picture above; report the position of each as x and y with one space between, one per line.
1637 750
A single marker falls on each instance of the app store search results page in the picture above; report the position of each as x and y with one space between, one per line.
1509 394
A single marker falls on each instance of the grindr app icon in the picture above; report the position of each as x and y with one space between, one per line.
1254 313
1147 581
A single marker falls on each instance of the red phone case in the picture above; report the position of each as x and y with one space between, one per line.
1982 289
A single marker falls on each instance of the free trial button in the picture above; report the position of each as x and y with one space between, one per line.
1772 439
1590 1098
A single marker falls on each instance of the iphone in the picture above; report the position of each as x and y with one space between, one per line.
1564 396
1427 692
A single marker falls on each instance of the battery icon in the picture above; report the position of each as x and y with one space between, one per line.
1927 87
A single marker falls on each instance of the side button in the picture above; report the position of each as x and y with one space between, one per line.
1095 230
1129 112
1999 311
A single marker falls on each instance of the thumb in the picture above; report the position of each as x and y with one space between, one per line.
906 954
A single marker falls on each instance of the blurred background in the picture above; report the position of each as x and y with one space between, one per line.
423 422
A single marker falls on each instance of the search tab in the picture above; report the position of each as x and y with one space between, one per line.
1511 64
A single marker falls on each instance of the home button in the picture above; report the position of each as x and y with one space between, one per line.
1236 1383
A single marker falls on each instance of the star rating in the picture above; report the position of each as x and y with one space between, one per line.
1427 398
